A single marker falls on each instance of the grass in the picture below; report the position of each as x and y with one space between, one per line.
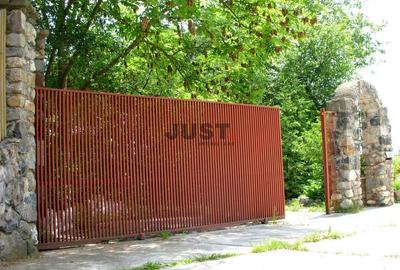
355 208
273 220
165 235
319 236
265 247
211 257
149 266
201 258
277 245
298 245
317 207
296 206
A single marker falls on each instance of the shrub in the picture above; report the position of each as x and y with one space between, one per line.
396 167
397 185
308 176
165 235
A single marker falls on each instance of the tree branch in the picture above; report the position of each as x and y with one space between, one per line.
170 57
72 60
114 61
233 13
50 63
59 32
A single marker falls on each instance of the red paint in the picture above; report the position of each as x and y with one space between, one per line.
106 158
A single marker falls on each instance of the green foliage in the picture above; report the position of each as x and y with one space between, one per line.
317 207
307 170
397 185
304 80
211 257
396 168
294 205
201 258
277 245
165 235
355 208
319 236
287 53
149 266
298 245
210 49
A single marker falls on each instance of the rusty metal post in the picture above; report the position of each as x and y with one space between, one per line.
326 162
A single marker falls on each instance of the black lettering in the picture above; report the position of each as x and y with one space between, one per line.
185 131
174 133
222 129
206 131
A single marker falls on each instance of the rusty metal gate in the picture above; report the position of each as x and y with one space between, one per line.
328 145
117 166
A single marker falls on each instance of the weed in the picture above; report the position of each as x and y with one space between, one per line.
273 220
211 257
397 185
277 245
267 246
293 206
317 207
149 266
165 235
355 208
298 245
201 258
319 236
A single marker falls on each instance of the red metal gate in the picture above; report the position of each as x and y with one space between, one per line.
328 145
110 166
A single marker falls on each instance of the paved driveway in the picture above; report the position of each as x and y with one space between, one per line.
373 241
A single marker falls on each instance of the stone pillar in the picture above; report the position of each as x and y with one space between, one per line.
362 133
40 57
377 144
348 146
18 214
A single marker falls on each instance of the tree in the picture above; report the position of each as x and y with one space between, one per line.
305 79
212 49
287 53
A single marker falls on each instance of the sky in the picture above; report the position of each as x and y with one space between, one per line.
385 73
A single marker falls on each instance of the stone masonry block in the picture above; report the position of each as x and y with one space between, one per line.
16 62
16 21
16 40
16 101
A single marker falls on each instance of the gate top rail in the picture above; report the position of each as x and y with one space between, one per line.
157 97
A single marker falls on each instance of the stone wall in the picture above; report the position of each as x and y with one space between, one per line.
18 214
362 141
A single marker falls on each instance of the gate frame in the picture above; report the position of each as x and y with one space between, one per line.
278 210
